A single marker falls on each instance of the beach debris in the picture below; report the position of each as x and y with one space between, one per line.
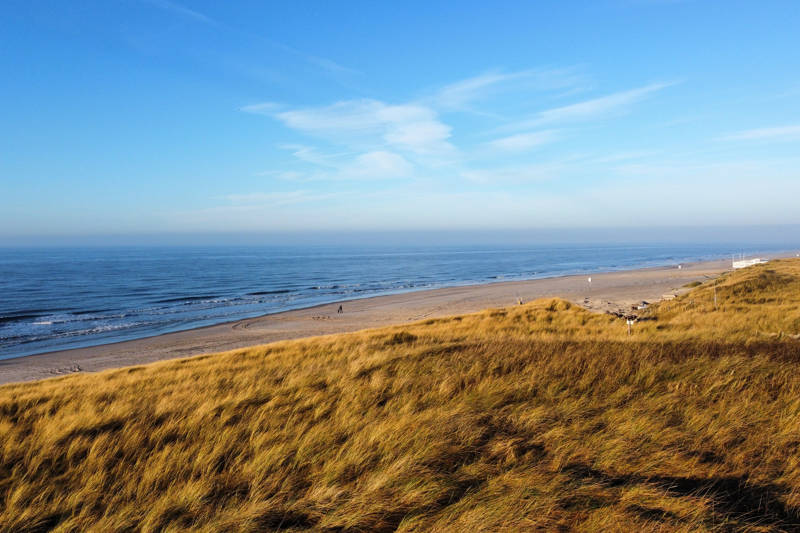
621 313
66 370
669 296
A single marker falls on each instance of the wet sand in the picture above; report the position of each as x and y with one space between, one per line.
607 291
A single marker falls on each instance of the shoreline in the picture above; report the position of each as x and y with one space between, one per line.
608 291
345 301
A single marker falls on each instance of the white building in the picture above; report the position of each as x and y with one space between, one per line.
744 263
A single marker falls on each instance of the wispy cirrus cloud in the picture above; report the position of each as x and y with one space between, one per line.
286 175
323 63
326 64
375 165
523 141
410 140
311 155
599 106
779 133
623 156
596 108
379 164
410 127
263 108
182 11
352 117
459 95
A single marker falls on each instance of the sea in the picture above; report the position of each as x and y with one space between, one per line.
59 298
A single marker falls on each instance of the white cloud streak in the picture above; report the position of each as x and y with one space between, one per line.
310 154
263 108
460 94
593 109
322 63
522 142
182 11
379 164
780 133
409 140
375 165
410 127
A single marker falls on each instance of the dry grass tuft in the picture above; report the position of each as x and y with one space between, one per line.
542 416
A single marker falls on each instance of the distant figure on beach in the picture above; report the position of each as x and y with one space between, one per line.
340 310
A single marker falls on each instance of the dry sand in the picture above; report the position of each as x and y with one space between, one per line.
607 291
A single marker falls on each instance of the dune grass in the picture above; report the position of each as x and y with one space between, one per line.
543 416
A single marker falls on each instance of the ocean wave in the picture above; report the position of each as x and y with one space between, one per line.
46 298
77 317
325 287
17 340
177 299
264 293
16 318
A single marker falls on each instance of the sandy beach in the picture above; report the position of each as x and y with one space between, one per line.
606 292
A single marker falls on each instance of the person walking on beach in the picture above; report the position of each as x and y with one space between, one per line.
340 310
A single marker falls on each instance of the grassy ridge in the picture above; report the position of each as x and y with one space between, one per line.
537 416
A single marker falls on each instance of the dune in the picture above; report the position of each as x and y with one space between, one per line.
542 416
607 291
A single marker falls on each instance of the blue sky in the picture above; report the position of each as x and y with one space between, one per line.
153 116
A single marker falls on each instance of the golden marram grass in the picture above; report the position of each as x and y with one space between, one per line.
542 416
